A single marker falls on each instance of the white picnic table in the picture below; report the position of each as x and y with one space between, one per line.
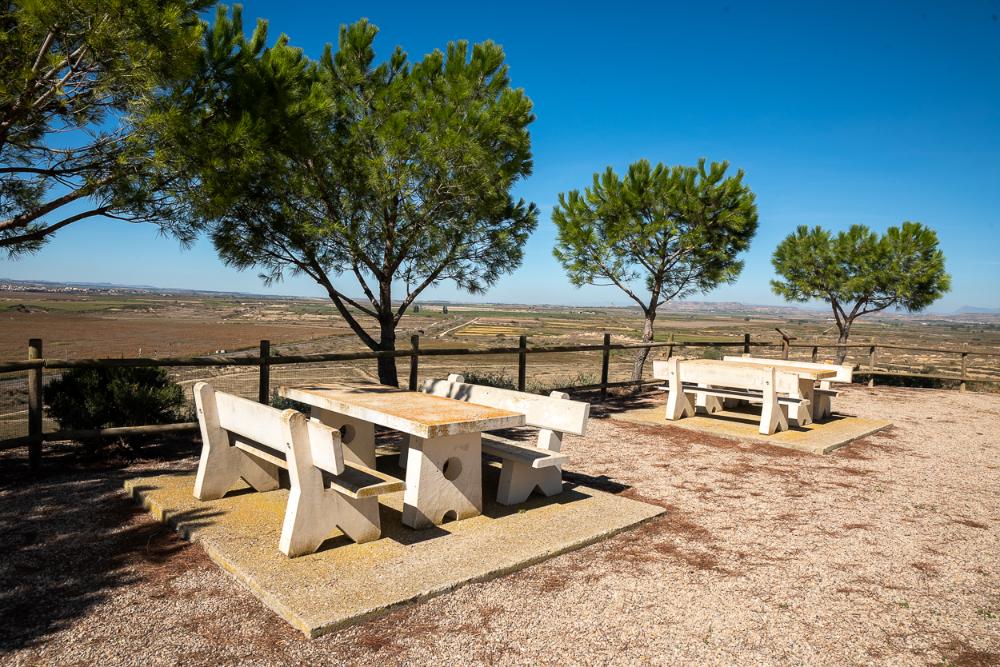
444 465
769 383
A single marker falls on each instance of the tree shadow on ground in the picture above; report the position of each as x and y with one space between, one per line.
71 538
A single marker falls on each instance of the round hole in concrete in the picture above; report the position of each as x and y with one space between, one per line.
347 433
451 469
450 515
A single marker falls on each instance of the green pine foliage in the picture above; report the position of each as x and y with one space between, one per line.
656 233
858 272
75 76
93 398
366 176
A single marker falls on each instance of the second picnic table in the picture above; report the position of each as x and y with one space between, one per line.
443 462
767 380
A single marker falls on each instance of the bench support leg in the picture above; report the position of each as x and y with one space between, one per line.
313 511
772 417
357 517
356 436
443 480
222 465
519 480
678 403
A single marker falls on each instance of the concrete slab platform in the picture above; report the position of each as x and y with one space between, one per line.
346 582
817 438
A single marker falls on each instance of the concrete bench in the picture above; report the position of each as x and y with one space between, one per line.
706 376
789 404
822 400
525 467
244 439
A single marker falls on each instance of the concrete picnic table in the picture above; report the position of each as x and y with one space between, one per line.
444 463
769 381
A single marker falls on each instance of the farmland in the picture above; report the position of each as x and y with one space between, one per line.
92 324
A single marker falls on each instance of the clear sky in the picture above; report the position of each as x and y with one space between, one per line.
839 113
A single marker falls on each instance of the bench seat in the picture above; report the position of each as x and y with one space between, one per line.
355 482
360 482
536 457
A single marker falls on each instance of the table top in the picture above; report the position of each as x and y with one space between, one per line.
802 371
412 412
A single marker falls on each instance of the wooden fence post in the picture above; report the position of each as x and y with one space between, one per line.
605 362
746 343
815 354
961 386
35 406
522 362
871 365
264 383
414 360
784 349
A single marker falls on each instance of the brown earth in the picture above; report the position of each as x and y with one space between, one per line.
882 553
76 335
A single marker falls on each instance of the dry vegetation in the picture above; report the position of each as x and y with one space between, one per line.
883 553
78 326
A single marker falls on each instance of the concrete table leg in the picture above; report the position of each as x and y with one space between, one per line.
443 480
708 404
357 436
804 414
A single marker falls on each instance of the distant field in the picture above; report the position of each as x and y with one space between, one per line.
68 335
96 325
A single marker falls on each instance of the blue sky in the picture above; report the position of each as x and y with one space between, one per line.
839 113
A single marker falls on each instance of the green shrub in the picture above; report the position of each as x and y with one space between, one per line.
712 353
498 379
91 398
281 403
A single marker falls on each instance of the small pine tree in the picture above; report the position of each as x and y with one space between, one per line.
93 398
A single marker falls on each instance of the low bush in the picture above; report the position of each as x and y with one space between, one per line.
281 403
498 379
93 398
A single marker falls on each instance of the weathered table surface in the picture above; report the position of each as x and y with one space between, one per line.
415 413
802 371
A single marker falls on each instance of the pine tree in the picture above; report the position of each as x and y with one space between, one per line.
859 272
74 75
675 230
385 173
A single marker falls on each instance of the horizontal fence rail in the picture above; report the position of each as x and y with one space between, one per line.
265 359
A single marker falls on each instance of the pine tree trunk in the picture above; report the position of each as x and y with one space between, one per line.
845 332
387 365
643 352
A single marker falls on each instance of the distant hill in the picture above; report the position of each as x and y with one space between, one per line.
977 310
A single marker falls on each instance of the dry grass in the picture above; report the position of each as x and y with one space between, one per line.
884 553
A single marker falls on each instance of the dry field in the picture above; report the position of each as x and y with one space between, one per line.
882 553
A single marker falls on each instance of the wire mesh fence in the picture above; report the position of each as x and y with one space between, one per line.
543 369
13 405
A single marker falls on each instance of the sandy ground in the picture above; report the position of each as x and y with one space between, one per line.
885 552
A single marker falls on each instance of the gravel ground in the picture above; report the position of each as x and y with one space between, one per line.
885 552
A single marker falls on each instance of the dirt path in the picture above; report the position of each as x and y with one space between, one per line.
884 553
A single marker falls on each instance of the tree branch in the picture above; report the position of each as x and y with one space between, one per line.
39 234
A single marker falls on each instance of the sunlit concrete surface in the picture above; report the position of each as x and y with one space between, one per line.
346 582
821 437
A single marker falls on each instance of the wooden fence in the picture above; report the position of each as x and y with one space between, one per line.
36 363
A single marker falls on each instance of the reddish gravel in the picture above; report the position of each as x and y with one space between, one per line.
885 552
